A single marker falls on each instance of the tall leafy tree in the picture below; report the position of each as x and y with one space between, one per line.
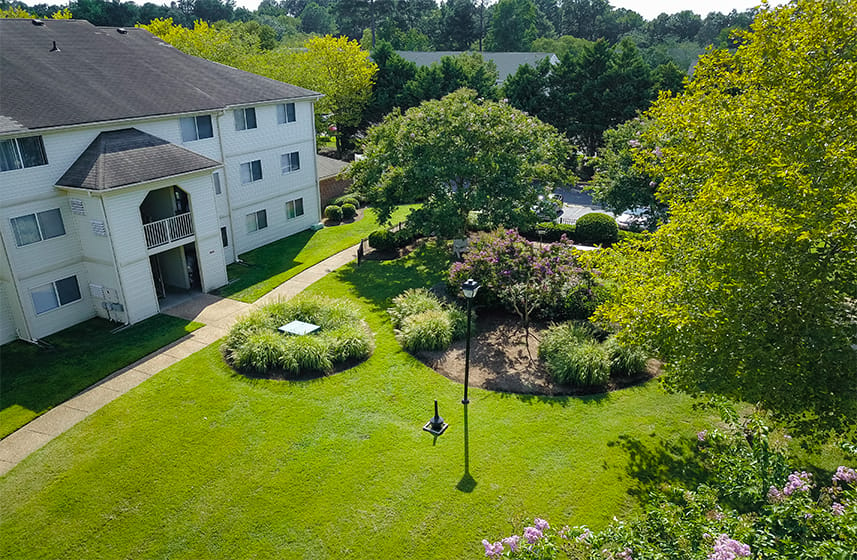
458 26
585 19
750 289
620 183
457 155
515 24
338 68
315 19
527 89
393 73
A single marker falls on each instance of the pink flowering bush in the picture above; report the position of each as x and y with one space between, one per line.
751 505
527 279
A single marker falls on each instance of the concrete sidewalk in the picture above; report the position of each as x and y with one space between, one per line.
218 314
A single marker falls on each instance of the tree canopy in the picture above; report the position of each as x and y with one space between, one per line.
750 290
460 154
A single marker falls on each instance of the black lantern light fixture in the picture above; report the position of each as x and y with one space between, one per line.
469 288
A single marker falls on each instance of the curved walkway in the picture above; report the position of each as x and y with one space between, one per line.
217 314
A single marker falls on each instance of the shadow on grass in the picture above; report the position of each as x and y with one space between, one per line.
467 483
378 282
35 379
659 462
264 262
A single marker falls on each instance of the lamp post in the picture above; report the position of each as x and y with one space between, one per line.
469 289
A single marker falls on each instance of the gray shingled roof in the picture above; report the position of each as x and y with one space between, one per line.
507 62
99 74
125 157
329 167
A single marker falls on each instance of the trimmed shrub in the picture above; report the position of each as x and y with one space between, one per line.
596 228
553 232
346 199
624 360
429 330
348 211
333 213
382 240
403 237
254 344
573 357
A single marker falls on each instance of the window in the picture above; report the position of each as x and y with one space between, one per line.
245 118
216 178
251 171
286 113
290 162
257 220
22 152
33 228
294 208
224 237
56 294
196 128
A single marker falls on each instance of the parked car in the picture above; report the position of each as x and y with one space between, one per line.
549 208
634 219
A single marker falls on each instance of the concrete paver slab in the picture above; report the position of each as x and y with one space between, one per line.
185 348
125 382
93 398
15 447
56 421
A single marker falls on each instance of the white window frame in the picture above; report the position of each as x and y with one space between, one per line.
290 162
292 207
283 116
241 120
12 147
195 121
248 175
253 220
39 227
56 302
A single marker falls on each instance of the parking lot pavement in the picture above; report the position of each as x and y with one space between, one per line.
576 203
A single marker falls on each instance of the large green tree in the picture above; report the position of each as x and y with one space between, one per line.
457 155
750 290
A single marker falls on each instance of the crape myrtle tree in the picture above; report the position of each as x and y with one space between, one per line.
750 290
620 183
460 154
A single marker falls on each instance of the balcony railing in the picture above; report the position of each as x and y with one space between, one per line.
168 230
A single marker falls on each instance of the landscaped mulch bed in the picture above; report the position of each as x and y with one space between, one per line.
500 361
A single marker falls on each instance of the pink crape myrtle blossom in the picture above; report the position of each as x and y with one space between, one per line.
492 550
726 548
532 535
845 474
798 482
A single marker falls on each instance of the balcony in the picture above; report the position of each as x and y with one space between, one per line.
168 230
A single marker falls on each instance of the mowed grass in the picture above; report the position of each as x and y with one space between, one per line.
34 379
199 462
267 267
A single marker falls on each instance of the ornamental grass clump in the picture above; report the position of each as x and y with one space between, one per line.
625 360
424 322
254 344
573 357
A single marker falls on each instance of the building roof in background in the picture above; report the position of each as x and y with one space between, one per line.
329 167
70 72
126 157
507 62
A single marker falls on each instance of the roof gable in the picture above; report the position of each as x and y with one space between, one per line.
99 74
126 157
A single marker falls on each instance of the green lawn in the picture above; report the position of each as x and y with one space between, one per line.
34 379
267 267
199 462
